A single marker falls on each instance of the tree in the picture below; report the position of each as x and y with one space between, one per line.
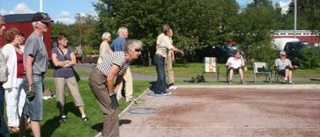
288 20
83 28
254 28
308 13
188 17
192 20
256 22
59 27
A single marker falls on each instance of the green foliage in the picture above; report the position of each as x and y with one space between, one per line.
262 53
310 57
188 18
95 35
59 27
308 14
79 33
83 30
254 23
288 19
194 22
89 50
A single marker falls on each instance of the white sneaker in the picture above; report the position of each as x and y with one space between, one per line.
173 87
46 97
166 93
131 99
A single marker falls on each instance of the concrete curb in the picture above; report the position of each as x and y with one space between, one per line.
287 86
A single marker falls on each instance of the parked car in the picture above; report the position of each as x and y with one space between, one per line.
293 50
292 46
221 52
281 42
182 59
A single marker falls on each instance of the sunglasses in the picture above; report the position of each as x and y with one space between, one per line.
137 50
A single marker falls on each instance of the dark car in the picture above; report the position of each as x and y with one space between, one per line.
293 50
221 52
182 59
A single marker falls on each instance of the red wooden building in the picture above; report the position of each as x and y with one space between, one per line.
303 35
24 24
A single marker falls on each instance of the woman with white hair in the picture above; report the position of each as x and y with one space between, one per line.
284 67
104 46
105 80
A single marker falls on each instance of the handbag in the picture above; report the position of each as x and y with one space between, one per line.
76 75
262 69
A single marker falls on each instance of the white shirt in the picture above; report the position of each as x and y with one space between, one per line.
164 45
234 63
10 54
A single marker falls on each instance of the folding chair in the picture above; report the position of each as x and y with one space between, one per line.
280 77
262 68
210 66
277 76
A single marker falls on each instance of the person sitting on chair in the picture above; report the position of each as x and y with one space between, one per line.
284 67
235 64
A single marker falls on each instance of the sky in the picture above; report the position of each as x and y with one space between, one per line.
65 10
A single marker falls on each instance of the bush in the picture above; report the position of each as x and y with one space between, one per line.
88 50
262 53
310 57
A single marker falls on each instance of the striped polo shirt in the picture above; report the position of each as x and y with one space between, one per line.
116 58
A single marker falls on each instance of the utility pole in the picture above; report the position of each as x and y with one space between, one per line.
295 18
40 5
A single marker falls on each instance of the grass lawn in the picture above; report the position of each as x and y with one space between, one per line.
194 69
75 127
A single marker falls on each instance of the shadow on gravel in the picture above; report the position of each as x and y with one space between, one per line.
124 121
315 79
152 85
98 127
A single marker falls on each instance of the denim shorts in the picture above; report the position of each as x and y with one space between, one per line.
34 107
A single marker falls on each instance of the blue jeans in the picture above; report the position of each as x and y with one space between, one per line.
4 131
33 107
161 86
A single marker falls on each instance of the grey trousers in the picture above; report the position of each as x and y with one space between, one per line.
111 117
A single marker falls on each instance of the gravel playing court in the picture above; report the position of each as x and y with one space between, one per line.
226 111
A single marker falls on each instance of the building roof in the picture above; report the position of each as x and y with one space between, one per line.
18 17
291 31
